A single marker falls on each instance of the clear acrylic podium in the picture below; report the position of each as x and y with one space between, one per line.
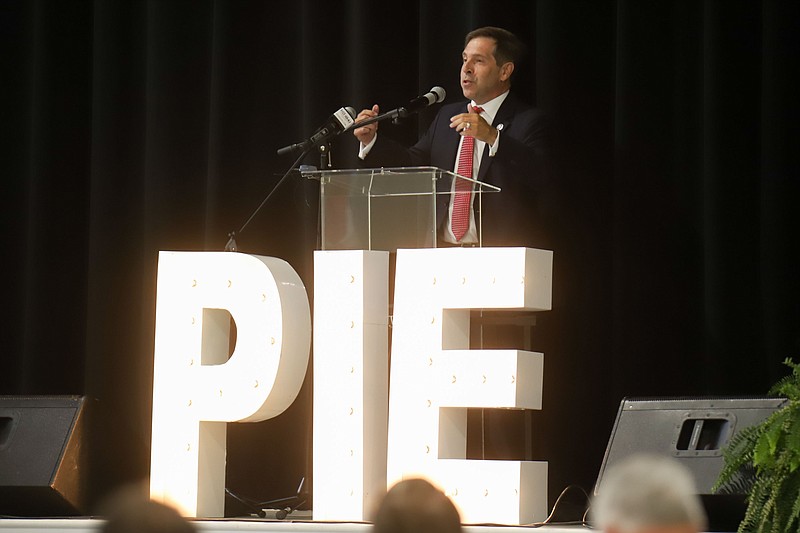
387 208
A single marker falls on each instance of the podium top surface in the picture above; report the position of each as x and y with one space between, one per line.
399 181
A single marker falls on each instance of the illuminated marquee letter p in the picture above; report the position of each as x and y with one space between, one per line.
197 389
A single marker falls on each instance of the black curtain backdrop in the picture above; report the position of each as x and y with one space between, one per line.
130 127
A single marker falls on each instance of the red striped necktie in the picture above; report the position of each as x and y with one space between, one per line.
463 189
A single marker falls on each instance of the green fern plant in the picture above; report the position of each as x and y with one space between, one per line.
772 449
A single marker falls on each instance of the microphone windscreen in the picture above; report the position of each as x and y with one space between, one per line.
440 94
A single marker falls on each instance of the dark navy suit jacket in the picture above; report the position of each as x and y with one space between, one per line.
520 168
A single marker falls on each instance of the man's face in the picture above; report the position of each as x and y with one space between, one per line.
481 77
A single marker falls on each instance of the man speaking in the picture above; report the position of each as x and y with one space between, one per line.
495 138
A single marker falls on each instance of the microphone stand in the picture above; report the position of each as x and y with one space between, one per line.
394 114
231 245
324 156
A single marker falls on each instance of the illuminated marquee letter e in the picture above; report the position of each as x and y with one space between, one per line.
435 377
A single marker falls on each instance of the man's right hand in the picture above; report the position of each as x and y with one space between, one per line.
365 134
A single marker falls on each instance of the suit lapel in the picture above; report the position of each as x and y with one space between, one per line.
453 139
504 116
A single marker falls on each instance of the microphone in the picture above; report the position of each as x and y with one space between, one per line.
336 123
435 96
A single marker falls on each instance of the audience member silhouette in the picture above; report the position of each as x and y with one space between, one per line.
416 506
648 494
132 512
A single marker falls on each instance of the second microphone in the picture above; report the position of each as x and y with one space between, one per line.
336 123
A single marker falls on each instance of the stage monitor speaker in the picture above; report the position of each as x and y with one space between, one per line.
693 431
42 455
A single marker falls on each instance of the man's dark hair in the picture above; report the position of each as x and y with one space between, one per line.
508 48
416 506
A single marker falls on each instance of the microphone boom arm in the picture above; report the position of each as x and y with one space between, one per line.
436 95
389 115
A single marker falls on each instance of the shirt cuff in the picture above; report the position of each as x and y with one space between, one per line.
495 145
364 150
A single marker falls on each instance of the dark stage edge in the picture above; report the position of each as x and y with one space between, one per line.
87 525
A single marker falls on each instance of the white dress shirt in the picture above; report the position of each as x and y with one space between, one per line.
471 236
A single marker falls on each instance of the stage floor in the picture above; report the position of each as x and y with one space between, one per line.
87 525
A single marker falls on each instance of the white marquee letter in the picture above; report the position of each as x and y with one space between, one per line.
351 294
196 388
435 377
